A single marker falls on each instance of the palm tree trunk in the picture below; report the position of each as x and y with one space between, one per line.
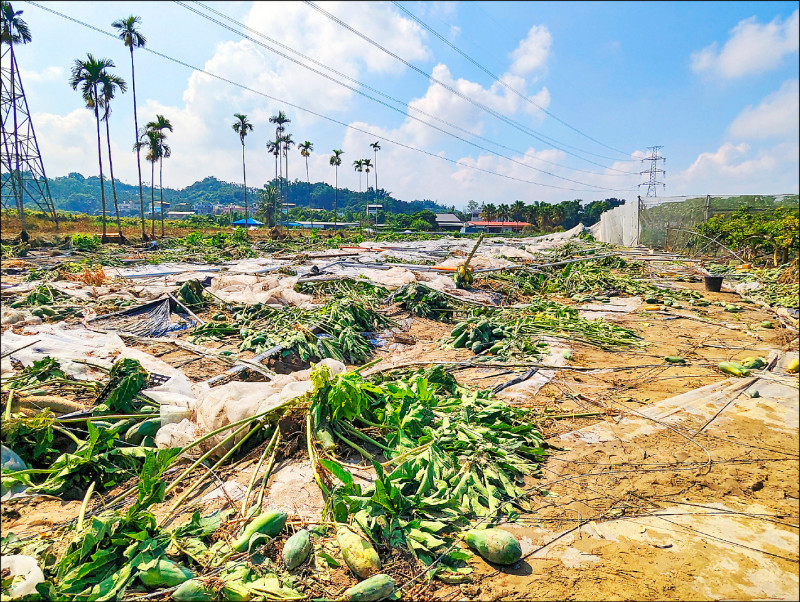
100 161
244 177
376 174
113 185
335 200
152 200
308 180
286 156
138 150
280 175
161 191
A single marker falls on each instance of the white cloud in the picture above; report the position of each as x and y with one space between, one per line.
411 175
70 144
776 116
532 52
455 109
539 102
298 26
48 74
740 169
752 48
203 142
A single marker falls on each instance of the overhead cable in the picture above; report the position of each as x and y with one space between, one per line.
405 114
515 91
460 163
515 124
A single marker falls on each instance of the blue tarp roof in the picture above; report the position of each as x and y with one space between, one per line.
250 222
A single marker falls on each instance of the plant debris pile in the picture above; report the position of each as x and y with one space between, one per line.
365 395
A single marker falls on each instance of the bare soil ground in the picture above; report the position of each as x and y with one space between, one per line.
596 487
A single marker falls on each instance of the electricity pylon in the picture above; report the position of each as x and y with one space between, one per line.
23 176
654 158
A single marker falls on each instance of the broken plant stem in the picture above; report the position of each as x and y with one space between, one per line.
104 417
367 456
313 459
405 455
202 479
267 449
202 458
366 438
7 411
365 366
84 505
268 471
66 433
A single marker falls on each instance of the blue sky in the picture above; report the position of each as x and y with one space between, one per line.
714 83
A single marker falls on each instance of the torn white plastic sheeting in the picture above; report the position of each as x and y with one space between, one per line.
480 261
18 316
436 281
252 265
26 567
214 408
511 252
273 290
720 403
554 240
392 278
742 288
228 490
162 270
527 389
67 344
616 309
84 292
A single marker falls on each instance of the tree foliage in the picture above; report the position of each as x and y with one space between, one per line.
757 232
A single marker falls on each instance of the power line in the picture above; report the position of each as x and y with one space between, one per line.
357 91
514 90
315 113
516 125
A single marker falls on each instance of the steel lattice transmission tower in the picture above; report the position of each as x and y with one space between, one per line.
654 158
23 176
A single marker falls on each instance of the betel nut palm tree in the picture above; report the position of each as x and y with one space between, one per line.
375 148
306 148
109 85
280 120
88 75
287 141
358 165
127 31
367 166
151 141
336 161
161 124
241 126
274 147
15 31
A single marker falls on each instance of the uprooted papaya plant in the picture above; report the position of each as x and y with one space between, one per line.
441 454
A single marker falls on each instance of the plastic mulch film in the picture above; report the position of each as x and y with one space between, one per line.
149 320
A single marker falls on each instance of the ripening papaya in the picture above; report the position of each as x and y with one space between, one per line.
494 545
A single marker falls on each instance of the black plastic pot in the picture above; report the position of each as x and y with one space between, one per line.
713 283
